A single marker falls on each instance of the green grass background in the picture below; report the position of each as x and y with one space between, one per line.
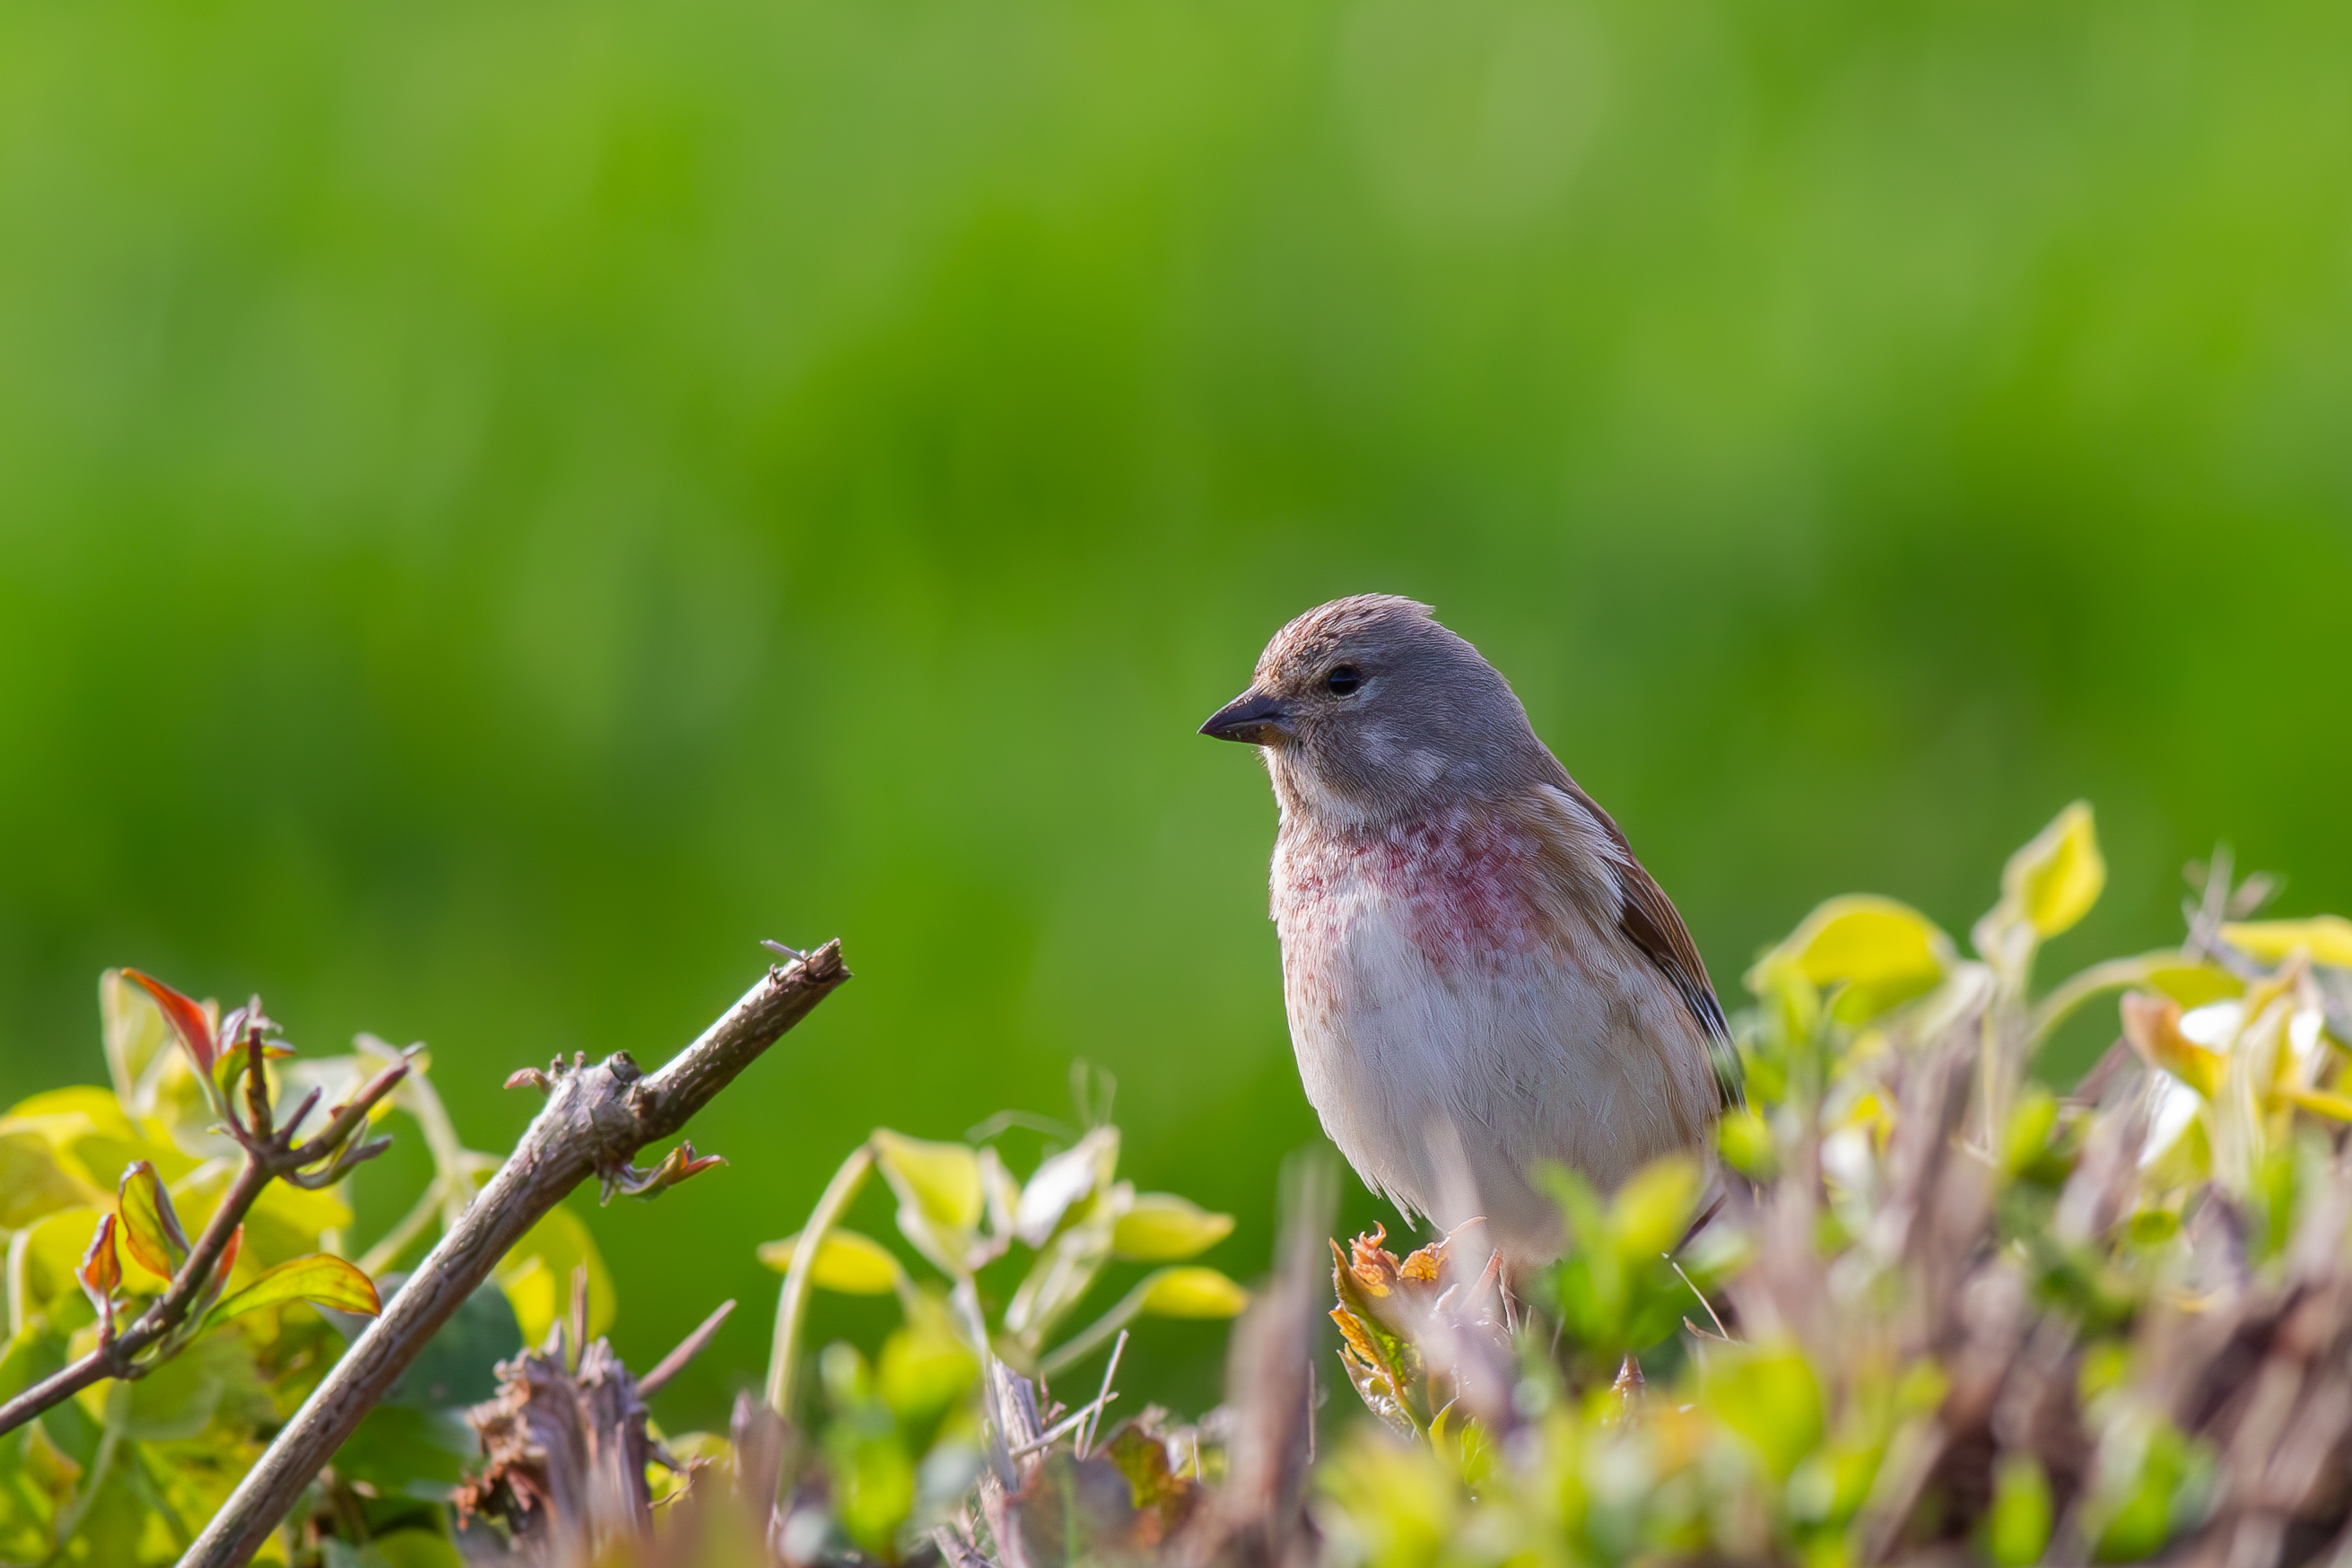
504 503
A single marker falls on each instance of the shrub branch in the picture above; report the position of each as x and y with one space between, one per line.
594 1121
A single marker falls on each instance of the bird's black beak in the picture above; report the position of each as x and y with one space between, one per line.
1251 717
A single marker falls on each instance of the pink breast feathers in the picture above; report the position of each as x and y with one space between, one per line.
1467 885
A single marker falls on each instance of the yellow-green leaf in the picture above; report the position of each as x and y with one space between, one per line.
925 1366
1191 1292
1653 1209
1770 1398
2328 938
2190 984
2030 1126
2335 1106
321 1278
53 1250
32 1184
2018 1528
1745 1141
134 1031
286 1221
849 1262
1162 1227
1880 952
940 1180
536 1277
92 1138
2053 881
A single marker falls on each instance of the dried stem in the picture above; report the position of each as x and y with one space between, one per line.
693 1345
595 1120
792 1300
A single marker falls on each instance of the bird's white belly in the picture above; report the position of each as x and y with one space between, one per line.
1447 1070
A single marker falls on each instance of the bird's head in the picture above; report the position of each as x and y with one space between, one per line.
1367 710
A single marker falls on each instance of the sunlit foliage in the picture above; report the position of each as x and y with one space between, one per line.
1943 1305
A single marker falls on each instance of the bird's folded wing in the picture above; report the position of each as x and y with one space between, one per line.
1651 922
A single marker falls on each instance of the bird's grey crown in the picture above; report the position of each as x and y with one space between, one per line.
1430 717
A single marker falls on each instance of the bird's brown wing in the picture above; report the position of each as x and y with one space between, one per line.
1651 922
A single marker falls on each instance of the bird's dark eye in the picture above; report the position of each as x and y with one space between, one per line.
1343 679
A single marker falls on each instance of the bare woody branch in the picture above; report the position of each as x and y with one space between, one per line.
594 1121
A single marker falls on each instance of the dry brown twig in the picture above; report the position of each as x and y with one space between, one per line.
594 1121
567 1447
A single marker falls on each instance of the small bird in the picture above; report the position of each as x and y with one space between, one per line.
1479 975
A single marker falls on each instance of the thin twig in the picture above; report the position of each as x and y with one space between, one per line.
1724 1333
1087 1437
693 1345
1063 1427
595 1118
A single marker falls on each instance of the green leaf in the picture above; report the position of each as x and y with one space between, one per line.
1191 1292
2053 881
1768 1397
458 1365
2030 1126
36 1352
1160 1227
408 1452
214 1380
2018 1527
925 1366
150 1228
1745 1141
2138 1508
419 1548
874 1484
321 1278
849 1263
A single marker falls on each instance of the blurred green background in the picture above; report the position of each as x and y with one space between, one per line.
504 504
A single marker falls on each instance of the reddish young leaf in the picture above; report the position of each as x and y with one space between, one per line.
100 1272
676 1166
150 1228
187 1018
